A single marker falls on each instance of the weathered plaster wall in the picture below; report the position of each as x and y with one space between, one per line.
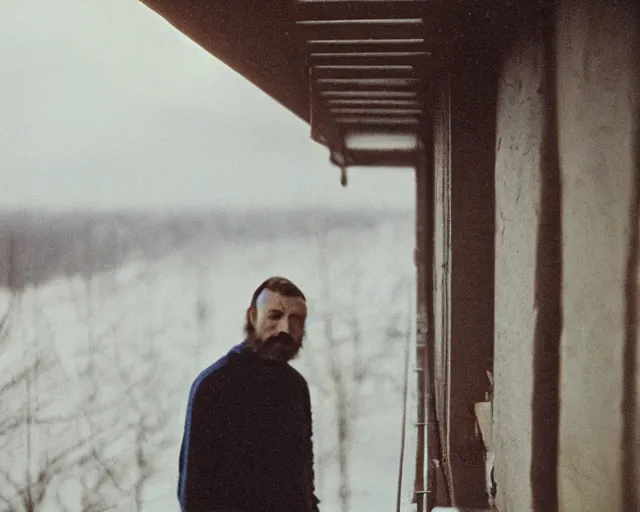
566 310
518 166
597 102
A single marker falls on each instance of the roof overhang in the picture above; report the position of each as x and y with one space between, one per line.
346 67
256 38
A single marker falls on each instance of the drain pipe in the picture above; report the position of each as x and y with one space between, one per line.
424 253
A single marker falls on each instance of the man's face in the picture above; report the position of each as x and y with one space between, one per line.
278 323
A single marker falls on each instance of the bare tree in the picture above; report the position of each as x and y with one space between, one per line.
24 421
146 421
24 412
99 445
46 441
132 408
125 438
352 361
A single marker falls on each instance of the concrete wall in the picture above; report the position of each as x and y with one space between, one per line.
518 183
566 299
597 102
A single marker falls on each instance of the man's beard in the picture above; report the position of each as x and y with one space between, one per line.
281 347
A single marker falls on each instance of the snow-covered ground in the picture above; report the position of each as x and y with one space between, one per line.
128 343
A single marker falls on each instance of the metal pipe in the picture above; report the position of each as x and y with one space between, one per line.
424 347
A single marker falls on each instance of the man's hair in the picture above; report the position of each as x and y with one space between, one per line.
275 284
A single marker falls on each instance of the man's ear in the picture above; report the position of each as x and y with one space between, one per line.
252 316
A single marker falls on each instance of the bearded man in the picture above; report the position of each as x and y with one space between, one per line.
247 439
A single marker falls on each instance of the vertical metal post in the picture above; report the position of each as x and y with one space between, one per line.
421 339
424 254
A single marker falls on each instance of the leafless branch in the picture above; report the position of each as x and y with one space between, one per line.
4 326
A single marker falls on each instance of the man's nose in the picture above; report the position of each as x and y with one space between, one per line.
283 325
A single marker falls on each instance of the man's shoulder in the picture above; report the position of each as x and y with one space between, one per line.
298 376
212 374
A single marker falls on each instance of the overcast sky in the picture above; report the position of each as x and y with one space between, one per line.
103 104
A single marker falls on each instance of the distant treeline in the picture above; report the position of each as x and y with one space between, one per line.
38 246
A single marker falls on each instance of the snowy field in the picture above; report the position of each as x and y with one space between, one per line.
95 372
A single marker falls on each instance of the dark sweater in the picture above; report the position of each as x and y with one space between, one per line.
247 440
